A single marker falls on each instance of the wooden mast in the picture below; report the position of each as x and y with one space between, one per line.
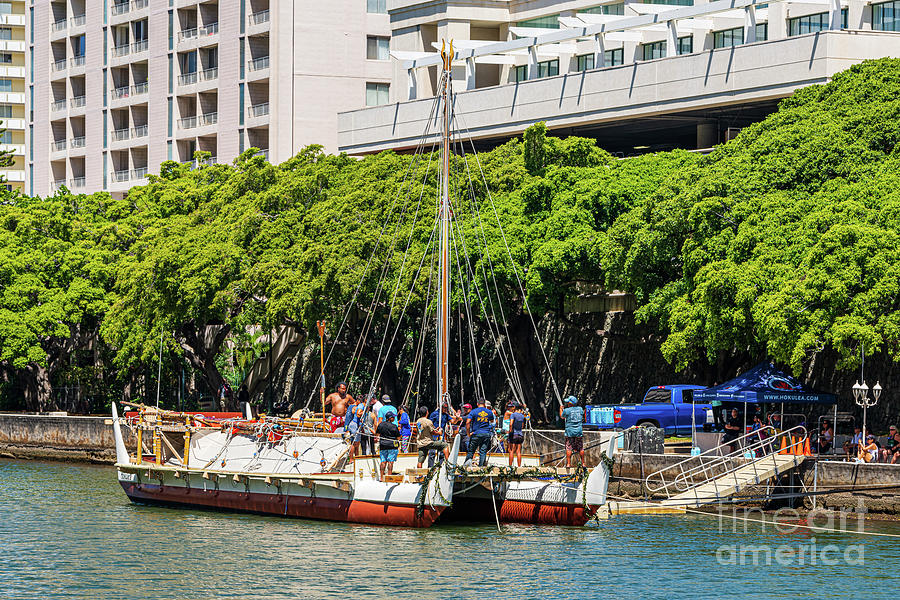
320 325
443 313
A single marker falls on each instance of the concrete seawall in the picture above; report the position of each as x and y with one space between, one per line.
82 439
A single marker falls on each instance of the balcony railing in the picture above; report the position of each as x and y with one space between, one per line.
122 50
208 74
211 29
78 20
60 145
77 142
60 25
119 135
263 153
59 65
140 46
259 64
187 78
76 183
140 88
139 131
259 110
210 118
121 92
58 105
78 61
58 184
187 34
78 102
120 8
187 122
139 173
260 17
139 4
120 176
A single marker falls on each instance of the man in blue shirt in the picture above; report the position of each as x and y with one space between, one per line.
516 434
480 426
574 418
386 407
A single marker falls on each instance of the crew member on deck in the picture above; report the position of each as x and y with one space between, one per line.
339 399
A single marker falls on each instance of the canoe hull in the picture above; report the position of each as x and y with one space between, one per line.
285 505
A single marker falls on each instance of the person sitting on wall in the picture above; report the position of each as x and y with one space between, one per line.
868 452
826 437
891 451
851 446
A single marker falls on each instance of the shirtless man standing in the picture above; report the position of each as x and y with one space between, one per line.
338 401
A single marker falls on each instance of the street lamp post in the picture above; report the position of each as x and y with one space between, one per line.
861 396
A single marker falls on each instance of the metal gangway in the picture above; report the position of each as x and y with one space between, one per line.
716 475
713 476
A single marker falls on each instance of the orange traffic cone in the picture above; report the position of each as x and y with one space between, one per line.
783 449
806 449
795 450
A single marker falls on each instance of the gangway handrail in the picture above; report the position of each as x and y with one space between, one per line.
714 466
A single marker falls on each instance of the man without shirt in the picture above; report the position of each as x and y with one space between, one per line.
339 399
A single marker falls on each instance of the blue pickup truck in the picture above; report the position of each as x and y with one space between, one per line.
666 406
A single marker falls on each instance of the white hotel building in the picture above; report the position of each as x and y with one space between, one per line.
637 76
118 86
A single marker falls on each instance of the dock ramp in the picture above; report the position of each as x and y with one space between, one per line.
720 473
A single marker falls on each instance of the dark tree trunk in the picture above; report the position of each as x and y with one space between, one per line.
201 345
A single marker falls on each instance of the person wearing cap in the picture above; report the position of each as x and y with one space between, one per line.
386 407
480 427
425 441
891 451
574 418
516 435
388 443
868 452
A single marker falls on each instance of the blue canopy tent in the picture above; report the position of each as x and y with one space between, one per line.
764 384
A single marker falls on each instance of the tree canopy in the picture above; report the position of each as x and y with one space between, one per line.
781 243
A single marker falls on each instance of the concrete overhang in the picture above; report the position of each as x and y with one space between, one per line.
703 80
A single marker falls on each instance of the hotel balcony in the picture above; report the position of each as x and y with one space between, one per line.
258 68
258 22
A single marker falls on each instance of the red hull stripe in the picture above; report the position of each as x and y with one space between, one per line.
325 509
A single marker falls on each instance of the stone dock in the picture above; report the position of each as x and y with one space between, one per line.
839 485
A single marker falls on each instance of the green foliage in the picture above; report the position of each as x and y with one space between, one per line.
781 243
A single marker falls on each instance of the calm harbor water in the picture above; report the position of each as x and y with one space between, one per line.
68 531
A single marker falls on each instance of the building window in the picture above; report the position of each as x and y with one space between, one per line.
548 22
762 32
378 7
658 49
5 58
886 16
378 48
5 33
614 57
377 94
813 23
78 46
6 111
5 8
6 137
606 9
548 68
585 62
728 38
521 73
6 85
